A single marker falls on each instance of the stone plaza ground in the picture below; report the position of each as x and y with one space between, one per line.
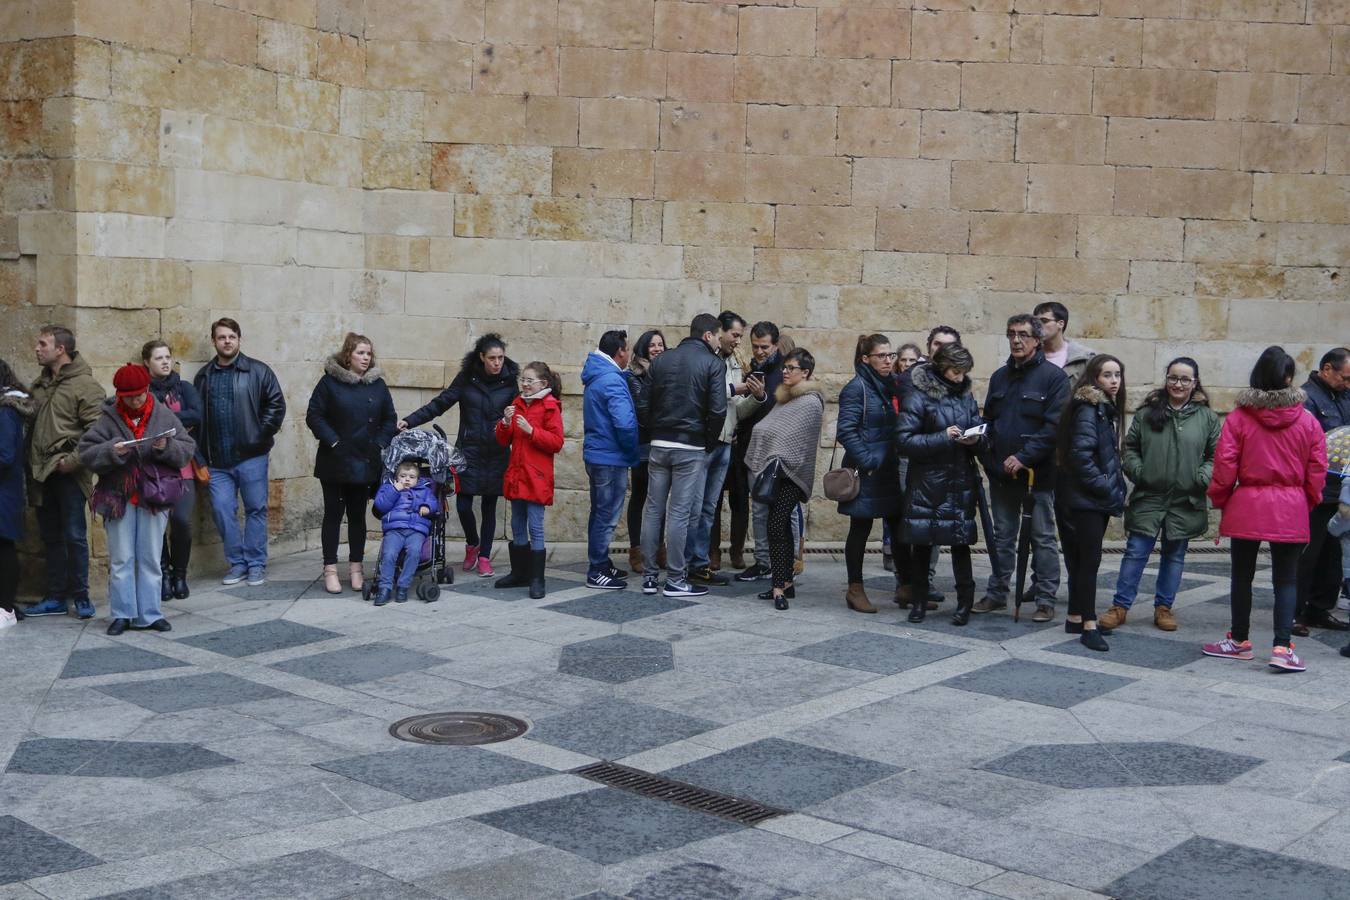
247 754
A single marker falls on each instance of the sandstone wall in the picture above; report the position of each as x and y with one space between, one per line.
1176 171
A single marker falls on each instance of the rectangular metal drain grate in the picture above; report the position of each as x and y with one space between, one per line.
690 796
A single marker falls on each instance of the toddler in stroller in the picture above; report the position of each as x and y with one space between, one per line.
411 504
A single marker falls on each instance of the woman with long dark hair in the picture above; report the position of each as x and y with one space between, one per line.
485 385
184 401
16 410
1269 470
1168 456
649 345
1089 486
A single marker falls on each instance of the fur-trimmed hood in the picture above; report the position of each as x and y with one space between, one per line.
1090 393
1275 410
933 385
783 393
347 376
19 402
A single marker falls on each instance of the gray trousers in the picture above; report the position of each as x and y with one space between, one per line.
1005 506
759 514
675 481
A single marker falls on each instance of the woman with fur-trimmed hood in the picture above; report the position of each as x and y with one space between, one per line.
941 480
351 412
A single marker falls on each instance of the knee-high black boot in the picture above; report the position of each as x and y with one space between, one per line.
536 558
965 599
519 576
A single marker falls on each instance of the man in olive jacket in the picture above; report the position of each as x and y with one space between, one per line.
68 400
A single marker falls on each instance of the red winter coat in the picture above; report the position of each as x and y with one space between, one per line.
529 475
1269 468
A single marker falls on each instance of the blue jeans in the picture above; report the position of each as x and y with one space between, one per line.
134 545
1005 504
700 531
675 479
609 484
247 479
401 540
65 540
1137 549
527 524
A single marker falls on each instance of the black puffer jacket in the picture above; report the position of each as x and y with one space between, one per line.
941 486
1091 477
1023 407
687 401
353 417
481 398
1332 410
866 430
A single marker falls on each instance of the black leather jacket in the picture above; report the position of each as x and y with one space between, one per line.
259 407
1023 407
1332 410
687 401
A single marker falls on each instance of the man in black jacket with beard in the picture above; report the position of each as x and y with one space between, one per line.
1319 568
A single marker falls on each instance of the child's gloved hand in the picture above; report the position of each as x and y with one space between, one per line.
424 511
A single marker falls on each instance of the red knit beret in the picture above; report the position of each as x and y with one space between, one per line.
131 380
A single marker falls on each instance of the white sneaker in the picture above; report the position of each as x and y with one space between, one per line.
8 619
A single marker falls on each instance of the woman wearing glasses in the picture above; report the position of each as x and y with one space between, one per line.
1168 457
866 429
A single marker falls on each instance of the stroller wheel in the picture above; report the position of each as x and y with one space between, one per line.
367 590
428 592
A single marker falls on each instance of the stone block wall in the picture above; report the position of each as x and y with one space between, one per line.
424 171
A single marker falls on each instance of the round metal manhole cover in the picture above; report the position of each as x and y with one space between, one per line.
458 728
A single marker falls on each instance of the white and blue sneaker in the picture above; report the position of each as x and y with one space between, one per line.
235 575
605 581
681 588
257 577
48 607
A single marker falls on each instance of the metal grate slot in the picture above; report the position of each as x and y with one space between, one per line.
690 796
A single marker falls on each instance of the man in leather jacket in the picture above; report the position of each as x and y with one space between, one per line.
242 410
1319 567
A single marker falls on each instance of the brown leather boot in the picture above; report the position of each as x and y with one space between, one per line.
856 598
1113 617
1163 619
903 594
635 560
715 558
661 557
738 558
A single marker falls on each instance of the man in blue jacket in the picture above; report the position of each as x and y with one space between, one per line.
609 451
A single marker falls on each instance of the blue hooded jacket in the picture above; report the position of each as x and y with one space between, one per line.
609 414
399 509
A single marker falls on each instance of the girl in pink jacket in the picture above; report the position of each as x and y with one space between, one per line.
1269 469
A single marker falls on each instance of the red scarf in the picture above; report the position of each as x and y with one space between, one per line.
137 427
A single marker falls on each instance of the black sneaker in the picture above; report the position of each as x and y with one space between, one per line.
707 576
605 582
616 572
682 588
754 573
649 585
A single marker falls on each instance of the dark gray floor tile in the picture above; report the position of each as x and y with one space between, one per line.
782 773
1034 682
542 873
357 664
704 881
111 759
261 637
270 592
30 852
1204 869
611 729
873 652
1135 649
1344 757
190 692
428 772
616 658
995 626
313 875
1147 763
619 606
114 661
608 826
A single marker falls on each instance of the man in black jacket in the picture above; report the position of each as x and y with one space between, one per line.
242 410
1023 406
1319 568
684 408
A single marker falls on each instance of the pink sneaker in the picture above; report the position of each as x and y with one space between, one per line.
470 557
485 567
1286 660
1229 648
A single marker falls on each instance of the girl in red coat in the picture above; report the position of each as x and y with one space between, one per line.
1269 469
532 427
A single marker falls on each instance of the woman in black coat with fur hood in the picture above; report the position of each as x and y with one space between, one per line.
486 384
942 482
351 412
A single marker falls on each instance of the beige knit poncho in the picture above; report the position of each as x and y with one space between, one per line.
790 432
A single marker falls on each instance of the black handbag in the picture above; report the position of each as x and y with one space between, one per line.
763 489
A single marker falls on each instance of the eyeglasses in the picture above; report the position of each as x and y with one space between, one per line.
793 369
1180 380
883 355
1046 320
531 381
1021 336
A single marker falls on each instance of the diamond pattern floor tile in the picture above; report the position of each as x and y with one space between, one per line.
111 759
357 664
1134 649
246 640
873 652
1189 871
616 658
313 875
1034 682
612 729
619 606
30 852
427 772
115 661
190 692
1147 763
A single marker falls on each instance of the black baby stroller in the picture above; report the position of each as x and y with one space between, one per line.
440 461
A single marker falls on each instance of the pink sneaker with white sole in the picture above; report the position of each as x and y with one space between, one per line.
1286 660
1229 648
485 567
470 557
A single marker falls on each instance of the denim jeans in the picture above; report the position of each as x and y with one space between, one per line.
675 480
1005 503
527 524
248 480
1137 549
401 540
700 533
134 545
759 518
65 541
609 484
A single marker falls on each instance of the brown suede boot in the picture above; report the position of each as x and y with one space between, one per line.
903 594
856 598
738 558
1163 619
715 558
635 560
1113 617
661 557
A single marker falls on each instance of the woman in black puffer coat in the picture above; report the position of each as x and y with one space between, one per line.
486 385
942 482
351 412
1089 485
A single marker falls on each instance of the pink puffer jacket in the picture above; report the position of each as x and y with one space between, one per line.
1269 467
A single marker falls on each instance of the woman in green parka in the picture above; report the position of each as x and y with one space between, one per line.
1169 455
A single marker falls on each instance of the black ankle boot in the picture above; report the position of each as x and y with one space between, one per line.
962 614
1093 640
180 586
165 588
537 559
519 576
918 610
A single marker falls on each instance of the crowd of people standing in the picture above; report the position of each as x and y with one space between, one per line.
673 426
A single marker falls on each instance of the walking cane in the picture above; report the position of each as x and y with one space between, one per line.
1024 543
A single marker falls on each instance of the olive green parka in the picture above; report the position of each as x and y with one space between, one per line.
1170 471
